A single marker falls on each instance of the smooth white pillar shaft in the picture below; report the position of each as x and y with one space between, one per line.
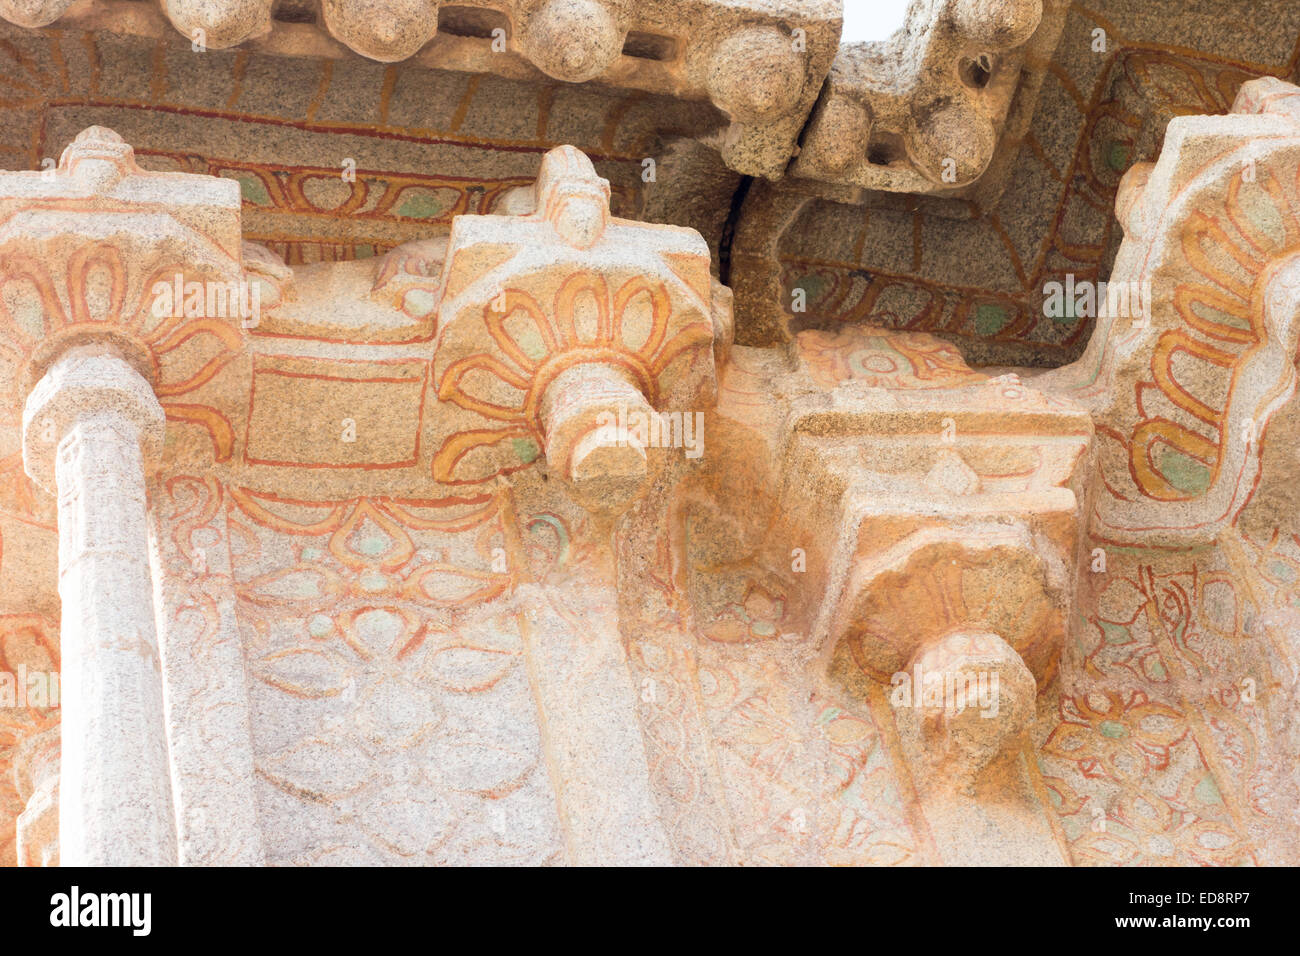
115 799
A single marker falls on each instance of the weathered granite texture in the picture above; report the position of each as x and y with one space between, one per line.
451 455
923 111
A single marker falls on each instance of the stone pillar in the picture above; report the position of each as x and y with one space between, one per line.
88 426
595 751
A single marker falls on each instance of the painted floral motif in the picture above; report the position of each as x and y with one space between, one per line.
883 360
101 291
757 618
375 631
1176 445
630 327
1108 734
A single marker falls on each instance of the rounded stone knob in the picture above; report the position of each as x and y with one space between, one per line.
756 74
976 697
839 135
572 40
98 159
1000 24
387 31
219 25
594 417
572 197
951 143
33 13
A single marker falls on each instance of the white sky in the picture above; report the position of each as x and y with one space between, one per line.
872 19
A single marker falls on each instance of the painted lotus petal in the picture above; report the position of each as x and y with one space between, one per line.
484 770
468 670
295 585
318 769
304 672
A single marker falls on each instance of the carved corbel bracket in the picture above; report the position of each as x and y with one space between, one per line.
1184 376
923 111
147 266
564 331
954 505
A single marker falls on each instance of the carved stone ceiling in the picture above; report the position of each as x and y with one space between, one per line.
283 113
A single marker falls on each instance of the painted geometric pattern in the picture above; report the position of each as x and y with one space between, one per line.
393 717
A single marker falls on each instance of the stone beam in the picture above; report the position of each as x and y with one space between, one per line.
761 63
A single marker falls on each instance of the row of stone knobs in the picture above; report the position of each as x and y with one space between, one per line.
570 39
753 74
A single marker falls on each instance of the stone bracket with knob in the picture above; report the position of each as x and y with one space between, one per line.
559 326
